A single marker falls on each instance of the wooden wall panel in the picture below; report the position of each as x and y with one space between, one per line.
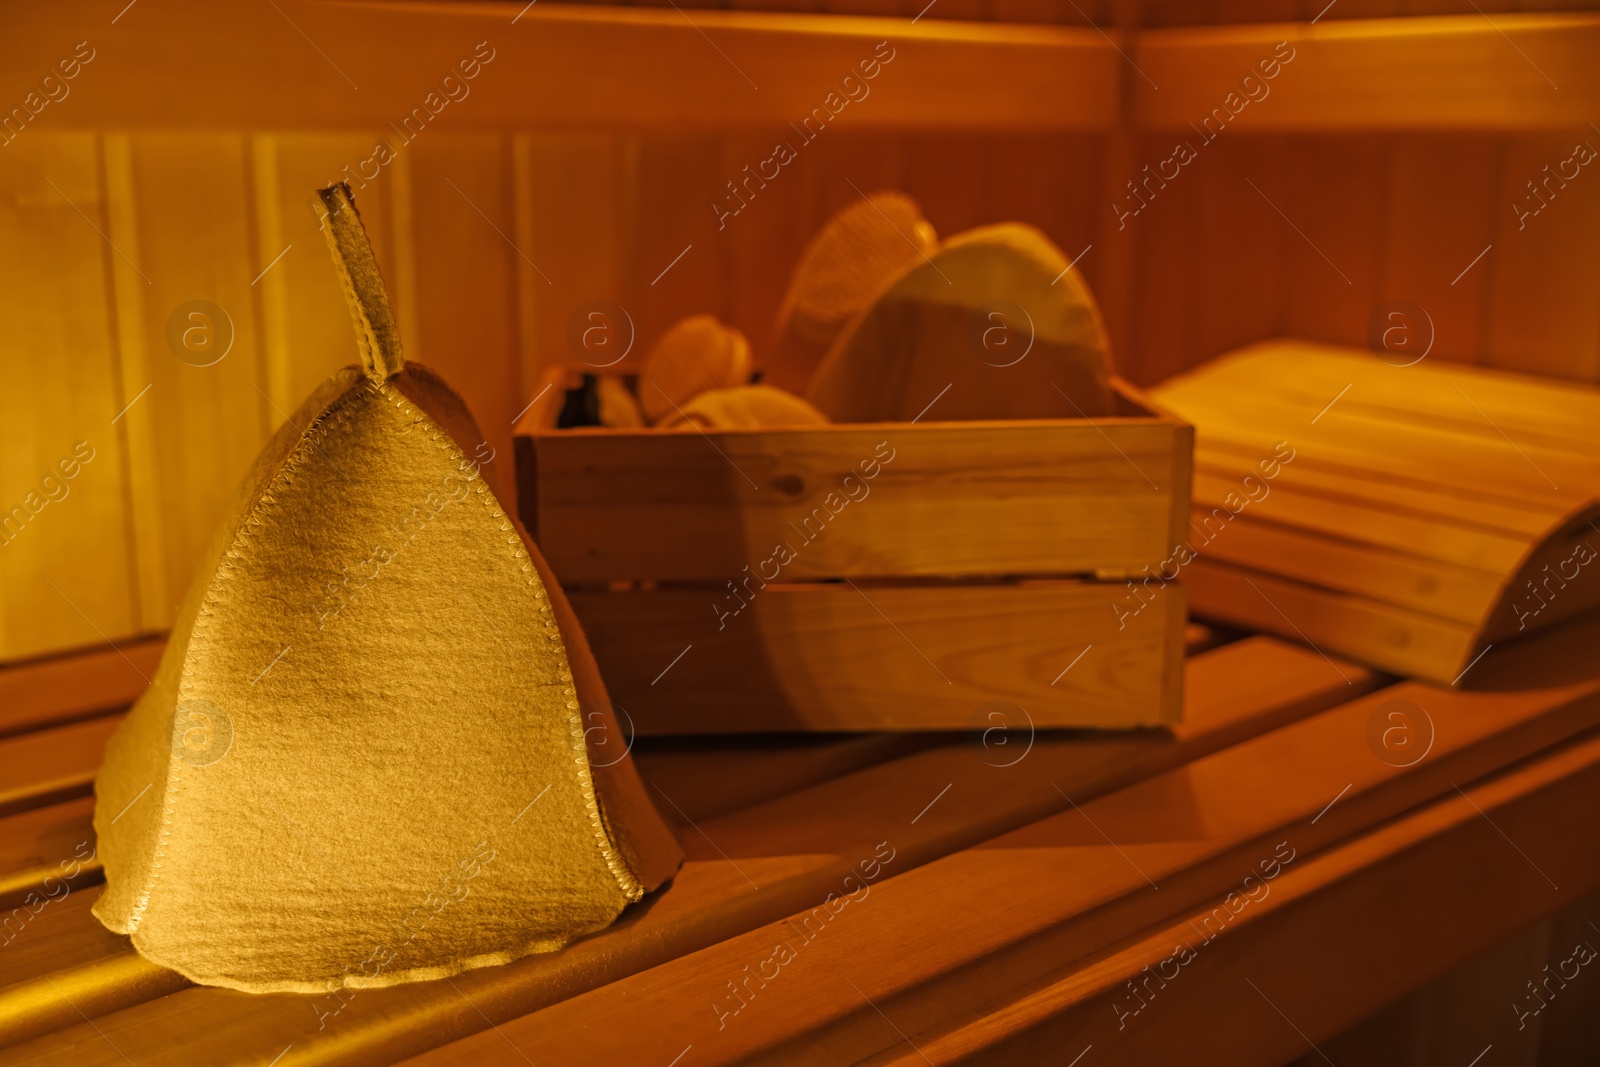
485 289
682 255
873 7
580 197
138 420
1238 261
1053 182
1211 12
1332 222
465 278
1401 216
1441 217
853 163
764 242
948 174
1544 309
1166 234
1567 1031
1033 11
970 10
63 387
557 68
1443 1023
190 198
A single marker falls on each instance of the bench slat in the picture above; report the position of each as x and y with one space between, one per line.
52 765
49 692
1331 943
794 848
959 930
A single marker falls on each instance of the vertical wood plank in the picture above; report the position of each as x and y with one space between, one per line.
1167 236
63 388
1544 304
1116 249
1051 181
1453 1012
580 201
765 241
1030 11
1332 223
848 161
968 10
681 265
466 284
1567 1031
272 290
872 7
948 175
1356 9
210 420
1440 218
526 269
401 269
1115 260
1238 261
137 422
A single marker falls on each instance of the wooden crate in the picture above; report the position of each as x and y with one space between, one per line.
853 577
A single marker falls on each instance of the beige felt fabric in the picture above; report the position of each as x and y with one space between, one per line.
926 338
618 408
363 760
747 407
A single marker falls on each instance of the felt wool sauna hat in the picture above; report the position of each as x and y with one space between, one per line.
377 749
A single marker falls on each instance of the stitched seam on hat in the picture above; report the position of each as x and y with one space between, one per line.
631 888
321 426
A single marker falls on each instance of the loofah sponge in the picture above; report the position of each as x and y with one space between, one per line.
697 354
856 255
377 749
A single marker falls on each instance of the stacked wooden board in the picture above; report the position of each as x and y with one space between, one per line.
1415 515
855 577
973 911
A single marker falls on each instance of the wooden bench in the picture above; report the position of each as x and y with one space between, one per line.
1243 887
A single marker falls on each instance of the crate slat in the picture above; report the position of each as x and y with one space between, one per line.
827 656
681 506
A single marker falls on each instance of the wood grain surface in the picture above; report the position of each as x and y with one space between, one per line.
828 656
1025 498
1427 512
